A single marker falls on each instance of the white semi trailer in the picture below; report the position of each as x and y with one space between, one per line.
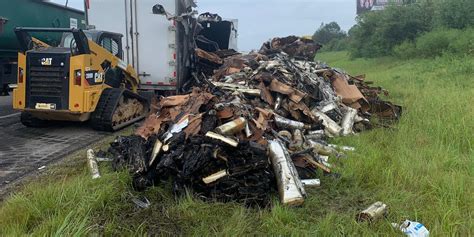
160 49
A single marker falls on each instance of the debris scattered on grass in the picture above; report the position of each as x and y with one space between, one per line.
252 124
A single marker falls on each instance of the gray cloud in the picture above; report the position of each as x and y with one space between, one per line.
260 20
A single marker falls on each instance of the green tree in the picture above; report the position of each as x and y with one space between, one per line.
377 32
328 32
457 14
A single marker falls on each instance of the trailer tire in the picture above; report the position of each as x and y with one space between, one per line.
30 121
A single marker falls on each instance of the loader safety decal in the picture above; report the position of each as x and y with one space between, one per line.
94 77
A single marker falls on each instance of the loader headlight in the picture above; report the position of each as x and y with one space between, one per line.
78 77
21 75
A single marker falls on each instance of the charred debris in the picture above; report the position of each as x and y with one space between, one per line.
252 125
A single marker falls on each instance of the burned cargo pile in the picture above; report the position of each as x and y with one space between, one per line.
253 124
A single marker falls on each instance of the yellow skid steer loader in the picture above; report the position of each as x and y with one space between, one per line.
82 79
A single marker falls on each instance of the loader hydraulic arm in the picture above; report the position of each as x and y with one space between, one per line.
112 63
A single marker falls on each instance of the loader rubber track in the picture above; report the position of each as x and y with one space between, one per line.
102 118
30 121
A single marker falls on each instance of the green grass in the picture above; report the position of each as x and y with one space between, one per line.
422 168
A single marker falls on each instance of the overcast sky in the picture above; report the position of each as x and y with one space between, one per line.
260 20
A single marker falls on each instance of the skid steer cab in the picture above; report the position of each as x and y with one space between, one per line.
82 79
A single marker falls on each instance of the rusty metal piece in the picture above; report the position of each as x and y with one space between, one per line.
223 139
373 213
232 127
290 187
225 113
292 45
349 93
282 88
348 121
209 56
93 166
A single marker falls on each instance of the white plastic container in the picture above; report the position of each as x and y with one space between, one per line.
412 229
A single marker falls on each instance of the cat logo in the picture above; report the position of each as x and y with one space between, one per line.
98 77
46 61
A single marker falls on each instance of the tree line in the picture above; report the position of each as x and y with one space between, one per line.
423 28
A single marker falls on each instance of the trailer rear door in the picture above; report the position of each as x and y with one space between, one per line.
155 42
149 40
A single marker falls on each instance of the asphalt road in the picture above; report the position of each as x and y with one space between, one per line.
25 150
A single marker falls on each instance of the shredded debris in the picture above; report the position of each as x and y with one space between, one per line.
253 124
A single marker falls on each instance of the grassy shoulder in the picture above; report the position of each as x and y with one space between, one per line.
422 168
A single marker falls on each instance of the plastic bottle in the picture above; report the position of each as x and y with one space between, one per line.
412 229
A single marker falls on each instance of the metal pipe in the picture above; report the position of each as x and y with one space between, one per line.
315 135
331 126
290 187
285 123
93 166
375 212
348 121
311 182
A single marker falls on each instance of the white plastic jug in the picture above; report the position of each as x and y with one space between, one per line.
412 229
